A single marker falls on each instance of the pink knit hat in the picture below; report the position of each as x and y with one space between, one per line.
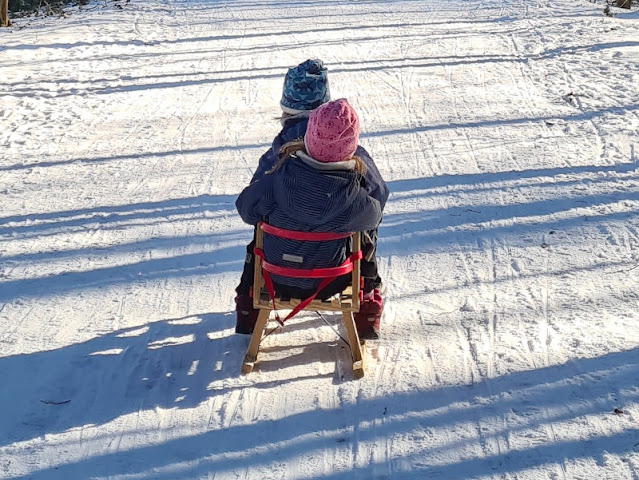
332 132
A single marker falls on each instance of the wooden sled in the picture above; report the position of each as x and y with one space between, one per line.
347 302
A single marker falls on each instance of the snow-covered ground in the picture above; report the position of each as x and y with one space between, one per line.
510 245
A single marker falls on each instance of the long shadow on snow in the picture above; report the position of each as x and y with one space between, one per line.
385 64
599 267
209 244
497 122
381 133
273 71
224 37
580 116
255 49
479 179
166 364
225 251
106 90
341 67
430 231
174 363
103 215
131 156
381 13
535 398
542 185
403 233
226 259
597 448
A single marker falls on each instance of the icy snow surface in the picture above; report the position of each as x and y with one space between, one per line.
510 245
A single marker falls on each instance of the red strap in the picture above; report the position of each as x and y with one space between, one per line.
301 236
327 274
268 283
308 300
343 269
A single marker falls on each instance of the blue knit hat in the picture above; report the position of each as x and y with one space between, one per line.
305 87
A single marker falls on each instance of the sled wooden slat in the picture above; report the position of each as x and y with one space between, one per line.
347 303
251 353
336 304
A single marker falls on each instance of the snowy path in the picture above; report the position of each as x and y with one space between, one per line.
505 130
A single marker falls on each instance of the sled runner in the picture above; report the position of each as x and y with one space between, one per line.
264 297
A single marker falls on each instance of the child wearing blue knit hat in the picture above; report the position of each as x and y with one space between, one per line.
305 88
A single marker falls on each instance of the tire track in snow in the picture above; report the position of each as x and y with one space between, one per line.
405 82
464 131
492 314
471 360
544 327
524 84
379 450
534 361
492 439
389 360
544 340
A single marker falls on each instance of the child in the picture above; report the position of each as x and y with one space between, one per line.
305 88
320 184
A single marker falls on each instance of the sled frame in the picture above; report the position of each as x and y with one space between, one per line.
347 302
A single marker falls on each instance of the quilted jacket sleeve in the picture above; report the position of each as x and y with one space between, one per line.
366 213
255 202
372 181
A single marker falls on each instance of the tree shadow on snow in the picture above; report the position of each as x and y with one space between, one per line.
173 363
475 180
432 230
170 154
474 417
215 252
41 224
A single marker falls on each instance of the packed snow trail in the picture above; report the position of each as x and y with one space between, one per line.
506 132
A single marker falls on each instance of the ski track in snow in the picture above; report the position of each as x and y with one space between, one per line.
508 133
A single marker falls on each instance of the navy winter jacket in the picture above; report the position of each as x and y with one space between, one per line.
310 196
294 128
373 182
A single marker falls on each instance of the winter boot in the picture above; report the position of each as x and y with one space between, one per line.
368 318
246 314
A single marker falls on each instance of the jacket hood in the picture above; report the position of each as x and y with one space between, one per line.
313 196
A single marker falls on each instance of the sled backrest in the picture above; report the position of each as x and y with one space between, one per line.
348 300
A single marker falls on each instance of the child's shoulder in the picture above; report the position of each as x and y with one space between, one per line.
295 124
362 152
290 132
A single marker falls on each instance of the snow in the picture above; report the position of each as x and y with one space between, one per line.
508 132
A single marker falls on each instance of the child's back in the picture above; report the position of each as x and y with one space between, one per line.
314 188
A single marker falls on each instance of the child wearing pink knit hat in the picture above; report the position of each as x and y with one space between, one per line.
323 182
